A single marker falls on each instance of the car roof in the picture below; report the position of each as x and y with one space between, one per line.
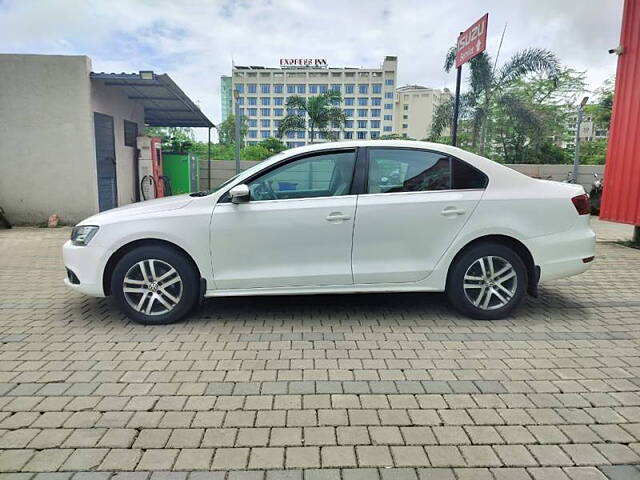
375 143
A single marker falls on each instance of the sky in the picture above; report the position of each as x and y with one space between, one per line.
195 41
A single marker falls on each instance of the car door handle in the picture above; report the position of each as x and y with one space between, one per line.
337 217
451 211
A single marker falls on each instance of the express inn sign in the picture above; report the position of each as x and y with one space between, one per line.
303 62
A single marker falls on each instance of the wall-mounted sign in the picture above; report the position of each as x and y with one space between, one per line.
303 62
472 41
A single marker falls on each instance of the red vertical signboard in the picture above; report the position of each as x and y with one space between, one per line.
621 194
472 41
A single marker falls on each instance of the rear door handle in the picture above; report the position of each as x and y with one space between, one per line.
451 211
337 217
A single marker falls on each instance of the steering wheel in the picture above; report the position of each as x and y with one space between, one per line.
263 191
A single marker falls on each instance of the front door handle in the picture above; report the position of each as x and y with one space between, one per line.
337 217
452 211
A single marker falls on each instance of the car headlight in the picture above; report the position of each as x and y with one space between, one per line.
82 235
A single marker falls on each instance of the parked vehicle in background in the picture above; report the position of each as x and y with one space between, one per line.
595 195
346 217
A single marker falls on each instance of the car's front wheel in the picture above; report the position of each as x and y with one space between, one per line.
487 281
155 285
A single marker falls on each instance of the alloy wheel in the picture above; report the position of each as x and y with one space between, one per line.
490 282
152 287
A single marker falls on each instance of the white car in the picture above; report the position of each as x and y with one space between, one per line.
347 217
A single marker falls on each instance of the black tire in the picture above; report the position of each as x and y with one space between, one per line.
459 298
189 291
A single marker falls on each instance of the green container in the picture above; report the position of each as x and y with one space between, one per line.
183 171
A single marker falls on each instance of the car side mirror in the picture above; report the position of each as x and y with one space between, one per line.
240 194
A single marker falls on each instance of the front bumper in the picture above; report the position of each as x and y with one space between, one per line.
87 264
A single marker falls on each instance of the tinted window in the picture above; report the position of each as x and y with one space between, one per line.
396 170
322 175
467 177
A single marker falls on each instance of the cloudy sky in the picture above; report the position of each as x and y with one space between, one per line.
195 41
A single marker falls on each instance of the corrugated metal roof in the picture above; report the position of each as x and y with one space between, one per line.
165 104
621 194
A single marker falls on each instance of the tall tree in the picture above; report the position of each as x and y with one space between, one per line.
175 139
323 112
227 130
488 84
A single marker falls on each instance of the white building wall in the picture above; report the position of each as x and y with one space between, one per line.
383 77
110 101
415 107
47 159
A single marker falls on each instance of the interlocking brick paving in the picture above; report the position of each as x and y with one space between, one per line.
387 387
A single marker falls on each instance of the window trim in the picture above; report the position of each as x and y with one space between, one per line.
226 198
363 186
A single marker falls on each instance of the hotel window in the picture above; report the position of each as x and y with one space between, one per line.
300 134
265 133
252 87
388 95
363 101
374 135
388 118
240 87
362 135
389 81
265 101
386 129
253 122
349 88
291 89
376 101
240 100
375 112
362 112
291 134
405 117
291 144
252 134
278 101
300 88
348 135
278 112
252 100
276 124
377 88
241 110
252 112
375 123
404 125
348 100
313 88
336 87
265 123
363 89
278 88
265 112
323 88
405 107
348 112
265 88
388 106
348 124
362 124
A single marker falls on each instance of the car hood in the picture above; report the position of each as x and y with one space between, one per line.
139 208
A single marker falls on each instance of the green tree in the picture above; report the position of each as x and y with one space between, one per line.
323 112
227 130
273 145
254 152
593 152
395 136
174 139
488 87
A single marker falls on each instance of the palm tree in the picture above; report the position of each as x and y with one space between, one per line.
488 85
323 111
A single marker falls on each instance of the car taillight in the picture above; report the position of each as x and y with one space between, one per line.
582 204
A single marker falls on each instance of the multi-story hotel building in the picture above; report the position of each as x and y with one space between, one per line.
414 110
367 97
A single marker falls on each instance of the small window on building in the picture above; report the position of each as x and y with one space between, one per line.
130 133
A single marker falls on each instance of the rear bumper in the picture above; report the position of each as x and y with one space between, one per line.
87 264
563 254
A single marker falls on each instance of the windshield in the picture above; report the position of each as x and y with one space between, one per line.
249 171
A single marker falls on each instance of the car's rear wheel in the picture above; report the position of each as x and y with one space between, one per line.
155 285
487 281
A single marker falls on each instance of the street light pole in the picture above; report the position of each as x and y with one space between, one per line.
237 133
576 153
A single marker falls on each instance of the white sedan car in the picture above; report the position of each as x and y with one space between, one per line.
347 217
